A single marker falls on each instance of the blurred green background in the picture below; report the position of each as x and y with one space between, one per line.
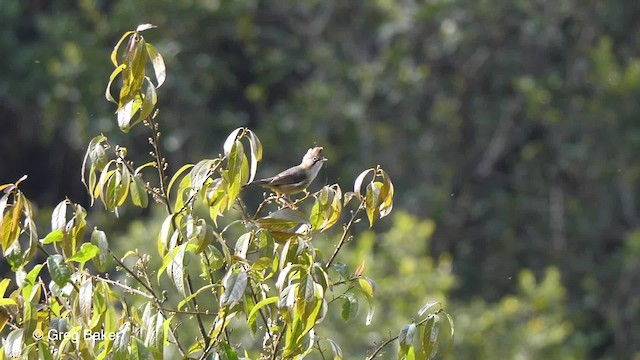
509 128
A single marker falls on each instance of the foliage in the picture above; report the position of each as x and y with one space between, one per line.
271 281
511 124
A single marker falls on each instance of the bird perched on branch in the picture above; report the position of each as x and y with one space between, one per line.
297 178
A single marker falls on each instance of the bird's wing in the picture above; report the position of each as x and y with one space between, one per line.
289 176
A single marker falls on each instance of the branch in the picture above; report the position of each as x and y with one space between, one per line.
345 233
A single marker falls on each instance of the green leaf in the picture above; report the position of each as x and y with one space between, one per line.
53 237
283 220
87 252
446 331
228 350
99 239
114 53
114 74
349 307
236 173
372 201
3 286
158 64
166 230
254 311
430 337
176 176
60 272
367 285
149 101
234 287
139 195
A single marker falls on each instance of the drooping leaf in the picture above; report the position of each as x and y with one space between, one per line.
234 286
60 272
139 195
158 64
99 239
85 300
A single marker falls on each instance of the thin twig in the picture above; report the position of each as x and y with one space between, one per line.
345 233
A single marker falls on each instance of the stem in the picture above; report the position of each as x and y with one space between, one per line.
154 298
203 332
276 345
160 164
345 233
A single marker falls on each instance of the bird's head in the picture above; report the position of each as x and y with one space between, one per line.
313 157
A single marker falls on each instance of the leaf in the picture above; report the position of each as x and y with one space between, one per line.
343 270
282 220
166 230
59 216
114 74
143 27
114 53
230 141
446 331
201 172
13 344
429 308
175 177
121 342
99 239
53 237
349 307
236 173
242 245
335 348
148 102
405 337
430 337
87 252
139 195
3 286
367 285
60 272
256 154
176 268
372 200
85 300
158 64
254 311
234 287
358 183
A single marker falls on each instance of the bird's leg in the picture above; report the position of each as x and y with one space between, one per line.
306 195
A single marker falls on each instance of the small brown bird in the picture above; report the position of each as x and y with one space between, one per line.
297 178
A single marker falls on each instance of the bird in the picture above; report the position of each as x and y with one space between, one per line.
295 179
